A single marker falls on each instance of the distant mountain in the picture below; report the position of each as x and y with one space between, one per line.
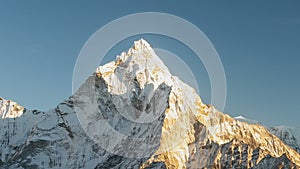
132 113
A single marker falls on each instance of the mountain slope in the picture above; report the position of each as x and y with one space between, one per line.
289 135
132 113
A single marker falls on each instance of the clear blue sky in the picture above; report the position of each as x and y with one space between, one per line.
258 42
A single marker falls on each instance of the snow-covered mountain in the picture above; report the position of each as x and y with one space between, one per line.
132 113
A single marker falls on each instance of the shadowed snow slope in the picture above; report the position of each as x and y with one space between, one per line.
132 113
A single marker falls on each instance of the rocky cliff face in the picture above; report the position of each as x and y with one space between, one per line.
132 113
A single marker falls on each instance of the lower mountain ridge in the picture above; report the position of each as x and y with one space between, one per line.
132 113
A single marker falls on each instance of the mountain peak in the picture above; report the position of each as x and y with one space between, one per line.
141 45
10 109
186 113
140 62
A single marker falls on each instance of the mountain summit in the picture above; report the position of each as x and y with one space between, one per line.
132 113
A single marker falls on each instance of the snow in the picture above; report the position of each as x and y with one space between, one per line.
10 109
243 119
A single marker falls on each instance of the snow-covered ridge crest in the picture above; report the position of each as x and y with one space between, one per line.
10 109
